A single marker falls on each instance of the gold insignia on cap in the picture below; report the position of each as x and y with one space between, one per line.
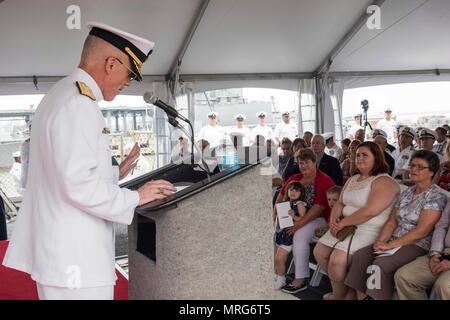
137 62
135 58
85 90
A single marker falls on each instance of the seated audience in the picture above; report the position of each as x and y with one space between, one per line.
408 231
296 196
443 177
379 132
316 183
345 149
427 138
414 280
366 202
441 140
349 165
402 155
307 136
292 166
286 155
360 135
325 163
382 143
331 147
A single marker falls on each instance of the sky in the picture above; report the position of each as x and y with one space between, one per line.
417 98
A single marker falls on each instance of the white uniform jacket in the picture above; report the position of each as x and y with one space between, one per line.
283 130
64 232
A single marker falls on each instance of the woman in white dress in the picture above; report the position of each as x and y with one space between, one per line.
366 202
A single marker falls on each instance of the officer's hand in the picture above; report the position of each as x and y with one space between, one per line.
130 161
155 190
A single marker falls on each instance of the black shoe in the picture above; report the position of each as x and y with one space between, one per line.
289 288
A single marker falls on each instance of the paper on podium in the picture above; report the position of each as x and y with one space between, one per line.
386 253
284 219
179 188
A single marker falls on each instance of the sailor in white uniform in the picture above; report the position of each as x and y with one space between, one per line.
261 128
240 129
212 132
285 129
427 138
331 148
402 155
64 236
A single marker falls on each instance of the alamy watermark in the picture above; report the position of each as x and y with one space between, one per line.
374 21
374 280
74 277
73 21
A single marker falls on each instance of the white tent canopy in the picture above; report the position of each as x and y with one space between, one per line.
232 43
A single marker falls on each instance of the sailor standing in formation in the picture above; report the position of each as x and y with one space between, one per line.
64 235
212 132
241 129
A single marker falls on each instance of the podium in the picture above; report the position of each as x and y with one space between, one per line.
211 240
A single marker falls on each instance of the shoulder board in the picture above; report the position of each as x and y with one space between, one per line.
85 90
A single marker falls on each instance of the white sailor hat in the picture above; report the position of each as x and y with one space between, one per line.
327 135
286 113
239 117
16 154
379 132
427 133
212 114
138 49
261 114
387 110
408 131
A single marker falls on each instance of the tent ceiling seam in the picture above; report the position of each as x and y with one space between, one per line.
345 39
176 65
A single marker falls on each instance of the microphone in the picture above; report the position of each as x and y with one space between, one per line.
172 113
151 99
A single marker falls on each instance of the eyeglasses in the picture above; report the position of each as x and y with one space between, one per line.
418 167
303 163
131 75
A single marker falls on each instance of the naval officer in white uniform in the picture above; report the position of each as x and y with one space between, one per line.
64 235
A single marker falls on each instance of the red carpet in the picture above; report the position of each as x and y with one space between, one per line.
16 285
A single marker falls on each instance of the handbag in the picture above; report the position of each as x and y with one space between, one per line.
345 232
341 235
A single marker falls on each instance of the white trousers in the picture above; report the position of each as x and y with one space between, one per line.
301 248
57 293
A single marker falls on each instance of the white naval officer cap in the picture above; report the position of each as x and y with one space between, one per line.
213 114
427 133
261 114
408 131
239 117
138 49
379 132
327 135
